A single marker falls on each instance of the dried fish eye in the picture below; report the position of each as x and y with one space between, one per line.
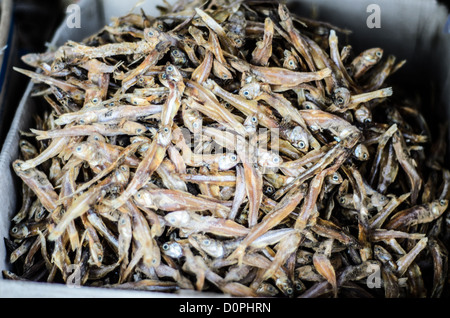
170 68
233 157
139 130
150 33
95 100
291 63
163 76
367 120
166 130
165 246
307 106
111 104
123 168
254 119
100 258
289 291
269 190
276 159
342 200
301 145
172 220
122 221
14 230
206 242
176 53
141 80
135 102
379 54
335 177
78 149
442 202
195 125
246 93
340 100
321 30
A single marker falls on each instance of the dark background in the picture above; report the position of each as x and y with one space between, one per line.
33 25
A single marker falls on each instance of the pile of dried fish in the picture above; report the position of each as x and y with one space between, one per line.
230 147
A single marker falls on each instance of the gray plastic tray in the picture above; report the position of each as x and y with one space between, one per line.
8 50
410 29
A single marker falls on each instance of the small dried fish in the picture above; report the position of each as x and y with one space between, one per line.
229 147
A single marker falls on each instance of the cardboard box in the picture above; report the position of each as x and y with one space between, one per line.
410 29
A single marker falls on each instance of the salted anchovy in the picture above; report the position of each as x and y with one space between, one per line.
229 147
